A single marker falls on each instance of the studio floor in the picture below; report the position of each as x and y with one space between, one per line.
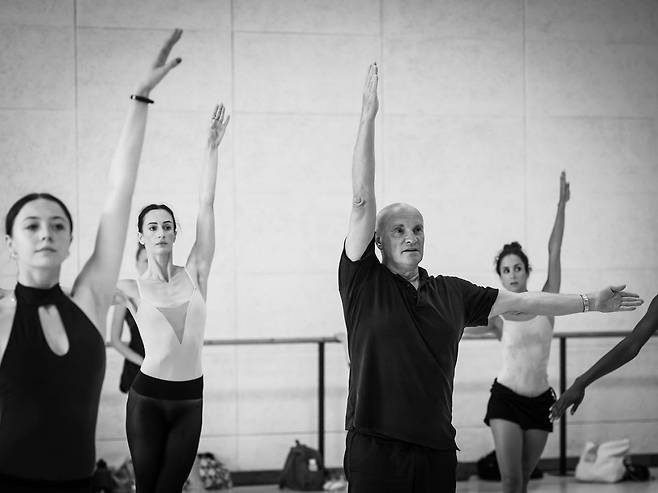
548 484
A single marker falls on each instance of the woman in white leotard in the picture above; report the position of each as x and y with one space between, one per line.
518 409
164 408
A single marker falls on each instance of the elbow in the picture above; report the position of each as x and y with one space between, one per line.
361 199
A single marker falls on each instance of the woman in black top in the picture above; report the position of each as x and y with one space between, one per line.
52 352
134 351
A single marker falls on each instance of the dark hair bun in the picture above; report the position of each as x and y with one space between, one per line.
512 248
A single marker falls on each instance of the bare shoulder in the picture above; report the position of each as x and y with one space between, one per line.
128 287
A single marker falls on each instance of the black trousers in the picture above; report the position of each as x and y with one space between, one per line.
163 425
16 485
378 465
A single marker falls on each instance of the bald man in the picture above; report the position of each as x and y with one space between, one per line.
403 330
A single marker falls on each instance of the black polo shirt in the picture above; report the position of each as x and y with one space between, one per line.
403 348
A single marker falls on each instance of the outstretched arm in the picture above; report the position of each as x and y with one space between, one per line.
618 356
364 208
94 288
555 242
203 249
610 299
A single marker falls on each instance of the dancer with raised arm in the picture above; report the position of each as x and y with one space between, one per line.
517 411
403 329
164 408
52 353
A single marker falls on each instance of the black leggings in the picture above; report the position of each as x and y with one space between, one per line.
163 424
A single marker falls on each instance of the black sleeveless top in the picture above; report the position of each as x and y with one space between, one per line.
49 403
130 369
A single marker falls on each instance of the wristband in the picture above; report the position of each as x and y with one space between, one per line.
585 300
141 99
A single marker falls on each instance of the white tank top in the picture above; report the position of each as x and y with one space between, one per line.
526 349
172 335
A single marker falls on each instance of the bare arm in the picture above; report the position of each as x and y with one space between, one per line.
94 287
555 242
493 327
115 336
203 250
364 208
618 356
610 299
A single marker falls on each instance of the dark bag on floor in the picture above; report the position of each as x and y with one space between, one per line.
488 470
635 472
102 480
303 470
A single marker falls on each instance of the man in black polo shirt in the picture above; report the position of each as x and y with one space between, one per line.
403 328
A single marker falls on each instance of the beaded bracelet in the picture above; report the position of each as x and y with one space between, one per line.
141 99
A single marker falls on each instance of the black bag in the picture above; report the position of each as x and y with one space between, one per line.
303 470
635 472
102 480
488 470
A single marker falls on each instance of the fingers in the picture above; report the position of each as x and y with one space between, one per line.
574 407
371 78
173 63
218 115
166 48
616 289
556 411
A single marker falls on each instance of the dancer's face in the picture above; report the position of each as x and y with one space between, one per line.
513 274
41 235
401 237
158 233
142 261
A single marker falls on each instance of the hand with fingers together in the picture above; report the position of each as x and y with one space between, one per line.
160 66
573 396
615 299
219 122
370 101
565 193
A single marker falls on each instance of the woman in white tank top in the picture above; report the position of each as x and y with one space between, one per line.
164 407
518 410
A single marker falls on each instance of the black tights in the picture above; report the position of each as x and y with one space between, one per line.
163 436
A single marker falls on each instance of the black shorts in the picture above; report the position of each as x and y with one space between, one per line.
530 413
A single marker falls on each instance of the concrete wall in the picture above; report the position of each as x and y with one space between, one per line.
483 102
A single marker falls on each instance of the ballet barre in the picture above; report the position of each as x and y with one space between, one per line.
322 341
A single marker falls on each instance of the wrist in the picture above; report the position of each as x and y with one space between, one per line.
579 383
592 302
142 91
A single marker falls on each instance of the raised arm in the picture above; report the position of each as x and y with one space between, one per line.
364 208
555 242
115 336
94 288
203 249
610 299
618 356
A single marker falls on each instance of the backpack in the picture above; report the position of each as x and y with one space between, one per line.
102 480
303 469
